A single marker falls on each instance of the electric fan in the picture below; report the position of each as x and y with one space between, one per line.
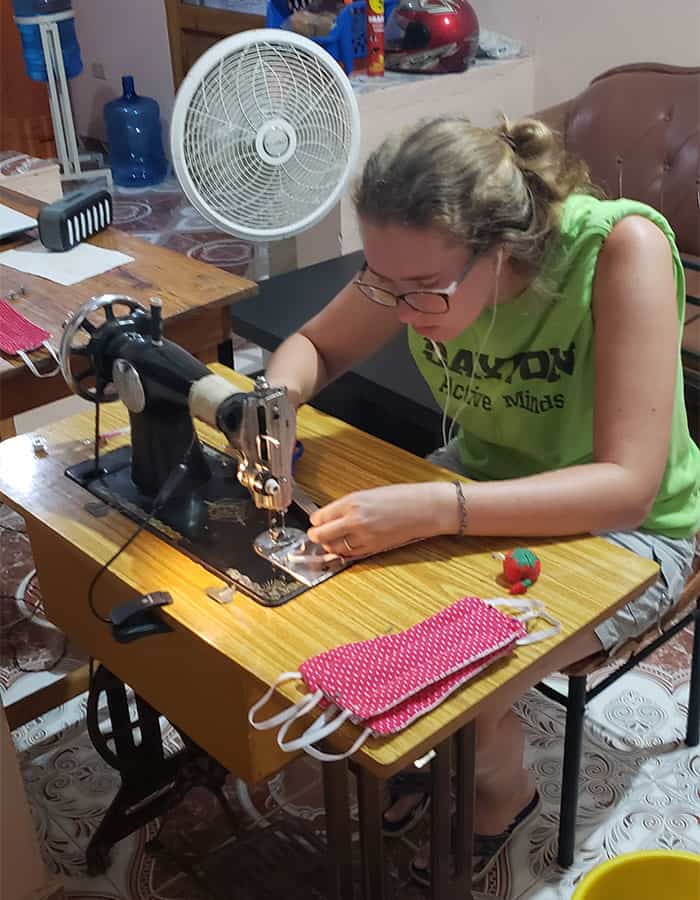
265 134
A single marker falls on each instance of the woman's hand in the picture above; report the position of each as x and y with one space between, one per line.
367 522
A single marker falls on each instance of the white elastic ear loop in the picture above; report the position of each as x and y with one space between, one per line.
532 609
543 633
27 360
52 353
336 757
300 708
318 730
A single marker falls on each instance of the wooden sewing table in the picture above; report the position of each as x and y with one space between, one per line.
219 659
196 297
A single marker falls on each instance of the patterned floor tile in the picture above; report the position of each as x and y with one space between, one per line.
163 216
638 790
33 652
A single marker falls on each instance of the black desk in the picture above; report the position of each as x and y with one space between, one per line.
385 395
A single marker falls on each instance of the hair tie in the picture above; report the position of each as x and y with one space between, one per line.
508 140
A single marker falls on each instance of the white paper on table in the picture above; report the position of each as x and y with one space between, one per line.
70 267
13 222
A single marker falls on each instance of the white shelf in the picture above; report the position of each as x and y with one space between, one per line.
397 100
363 84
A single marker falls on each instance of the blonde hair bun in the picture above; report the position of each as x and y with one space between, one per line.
529 138
542 158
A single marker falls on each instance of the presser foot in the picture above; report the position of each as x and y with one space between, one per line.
277 538
291 550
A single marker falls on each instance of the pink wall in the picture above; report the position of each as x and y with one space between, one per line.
574 40
571 41
127 37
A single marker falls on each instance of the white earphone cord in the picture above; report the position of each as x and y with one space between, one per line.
448 435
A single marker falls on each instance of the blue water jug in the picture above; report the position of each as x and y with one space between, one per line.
136 150
33 52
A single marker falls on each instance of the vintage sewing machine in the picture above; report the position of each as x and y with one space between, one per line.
234 513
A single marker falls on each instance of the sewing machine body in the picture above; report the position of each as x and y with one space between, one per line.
236 515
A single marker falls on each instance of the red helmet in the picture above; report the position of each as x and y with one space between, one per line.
431 36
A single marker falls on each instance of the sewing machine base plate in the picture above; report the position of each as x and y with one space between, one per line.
215 524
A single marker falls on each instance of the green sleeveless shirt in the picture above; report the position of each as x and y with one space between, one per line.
530 405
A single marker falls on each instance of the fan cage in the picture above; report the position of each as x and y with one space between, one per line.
267 86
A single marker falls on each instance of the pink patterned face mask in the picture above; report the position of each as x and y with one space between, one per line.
19 336
387 682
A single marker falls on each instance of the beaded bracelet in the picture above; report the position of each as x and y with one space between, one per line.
462 508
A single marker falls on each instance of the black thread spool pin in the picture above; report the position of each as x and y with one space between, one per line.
156 320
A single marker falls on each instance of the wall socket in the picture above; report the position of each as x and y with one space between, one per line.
98 71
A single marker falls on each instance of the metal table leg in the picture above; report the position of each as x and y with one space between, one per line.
338 834
465 783
440 821
371 807
369 790
441 832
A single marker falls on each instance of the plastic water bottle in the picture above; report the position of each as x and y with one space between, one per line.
31 39
136 150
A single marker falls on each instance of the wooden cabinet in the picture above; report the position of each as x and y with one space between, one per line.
25 120
193 28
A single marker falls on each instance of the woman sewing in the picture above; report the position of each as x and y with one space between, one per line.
547 324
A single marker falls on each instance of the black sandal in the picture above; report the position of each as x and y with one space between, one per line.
486 846
399 786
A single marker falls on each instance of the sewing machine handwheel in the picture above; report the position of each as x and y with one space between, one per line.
71 350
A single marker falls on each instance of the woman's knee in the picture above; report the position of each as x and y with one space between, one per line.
492 728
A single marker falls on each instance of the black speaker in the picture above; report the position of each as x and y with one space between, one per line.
64 223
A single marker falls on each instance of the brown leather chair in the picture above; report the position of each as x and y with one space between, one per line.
638 128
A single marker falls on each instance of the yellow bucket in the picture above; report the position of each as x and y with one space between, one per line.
647 875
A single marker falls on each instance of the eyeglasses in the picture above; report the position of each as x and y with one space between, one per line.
431 302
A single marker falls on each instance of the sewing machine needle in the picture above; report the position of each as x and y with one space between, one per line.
276 524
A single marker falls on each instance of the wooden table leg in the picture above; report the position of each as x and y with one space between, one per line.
370 798
338 834
7 428
208 354
224 353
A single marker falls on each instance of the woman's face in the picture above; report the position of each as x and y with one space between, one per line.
402 259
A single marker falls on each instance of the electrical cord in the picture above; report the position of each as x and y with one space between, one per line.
12 529
61 656
18 597
105 566
170 485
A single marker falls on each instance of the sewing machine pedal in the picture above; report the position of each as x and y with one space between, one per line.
139 618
